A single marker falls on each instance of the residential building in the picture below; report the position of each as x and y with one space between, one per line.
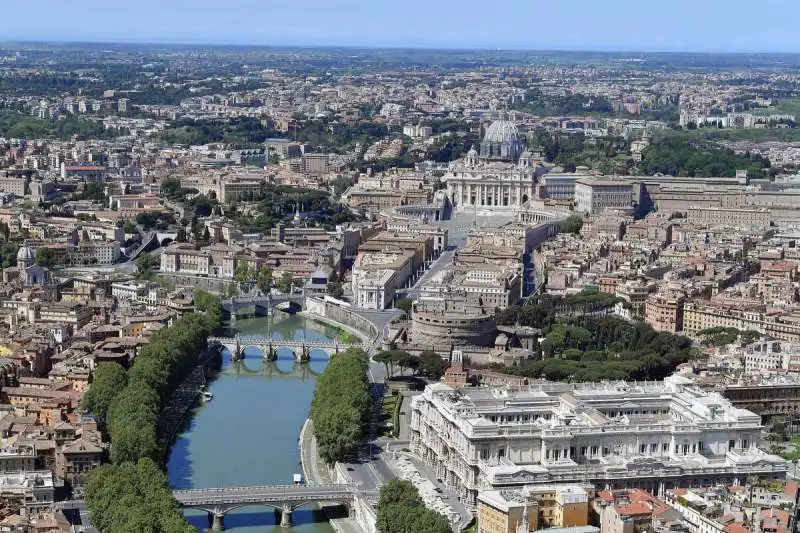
664 312
532 508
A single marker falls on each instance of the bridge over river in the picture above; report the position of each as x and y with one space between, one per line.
301 349
284 499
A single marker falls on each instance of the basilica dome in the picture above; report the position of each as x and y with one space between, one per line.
501 141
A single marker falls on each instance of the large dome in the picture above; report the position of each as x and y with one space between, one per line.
501 141
501 131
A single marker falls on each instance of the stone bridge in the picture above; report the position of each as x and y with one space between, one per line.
272 369
283 498
301 349
262 304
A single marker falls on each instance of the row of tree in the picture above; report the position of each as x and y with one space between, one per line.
133 497
428 363
341 406
400 510
247 273
723 336
132 493
547 308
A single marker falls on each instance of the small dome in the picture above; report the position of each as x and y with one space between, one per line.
25 253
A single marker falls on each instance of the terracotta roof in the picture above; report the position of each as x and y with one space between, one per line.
736 528
633 509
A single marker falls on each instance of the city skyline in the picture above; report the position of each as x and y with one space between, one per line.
577 25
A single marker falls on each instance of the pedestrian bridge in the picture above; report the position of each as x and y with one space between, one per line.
284 499
301 349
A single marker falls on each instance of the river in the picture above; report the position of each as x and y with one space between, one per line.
248 433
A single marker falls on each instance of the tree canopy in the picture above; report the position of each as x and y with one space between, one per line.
132 494
578 345
341 406
107 380
401 510
680 156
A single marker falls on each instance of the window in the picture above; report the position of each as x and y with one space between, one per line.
501 453
642 448
731 444
583 451
605 451
745 444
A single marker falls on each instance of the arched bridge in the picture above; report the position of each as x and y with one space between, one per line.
262 304
301 349
283 498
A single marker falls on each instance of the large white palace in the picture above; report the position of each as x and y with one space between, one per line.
654 435
502 175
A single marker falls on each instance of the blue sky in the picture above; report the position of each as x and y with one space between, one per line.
647 25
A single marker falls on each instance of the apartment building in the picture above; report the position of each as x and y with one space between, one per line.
664 312
185 259
532 508
781 325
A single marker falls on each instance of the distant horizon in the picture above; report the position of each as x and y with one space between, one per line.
465 48
611 26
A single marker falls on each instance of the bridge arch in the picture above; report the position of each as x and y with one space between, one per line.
301 349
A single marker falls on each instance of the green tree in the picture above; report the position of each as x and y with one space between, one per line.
264 280
132 497
285 282
145 265
401 510
171 188
128 227
387 360
341 406
432 364
9 254
243 272
572 224
405 304
108 380
45 257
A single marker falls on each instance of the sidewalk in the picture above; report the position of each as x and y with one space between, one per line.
400 463
316 472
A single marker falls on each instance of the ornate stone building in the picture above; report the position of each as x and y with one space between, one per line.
651 435
501 176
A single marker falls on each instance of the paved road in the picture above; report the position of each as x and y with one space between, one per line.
274 493
443 261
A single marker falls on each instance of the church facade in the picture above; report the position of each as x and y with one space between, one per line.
27 271
502 175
